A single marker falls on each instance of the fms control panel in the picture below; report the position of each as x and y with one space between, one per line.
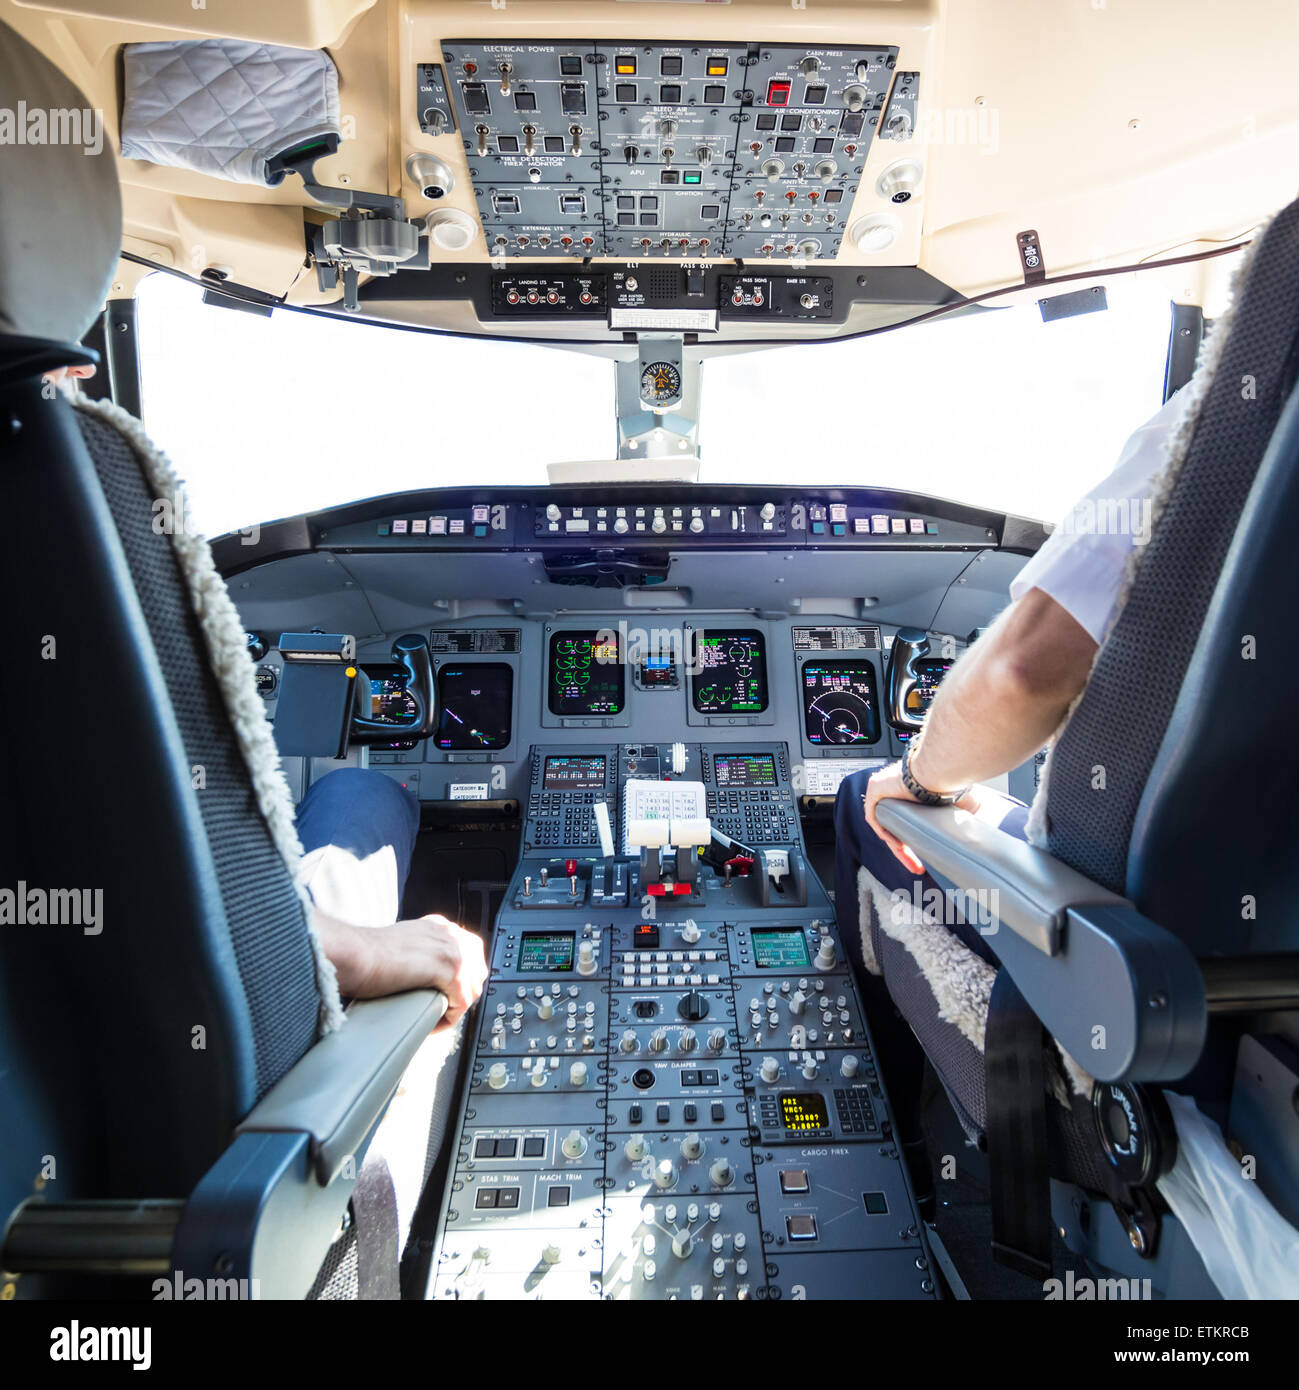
673 1092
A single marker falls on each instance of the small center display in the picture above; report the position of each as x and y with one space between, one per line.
779 948
586 676
840 704
573 774
802 1112
929 676
729 675
475 702
391 702
546 952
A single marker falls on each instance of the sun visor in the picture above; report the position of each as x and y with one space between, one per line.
225 107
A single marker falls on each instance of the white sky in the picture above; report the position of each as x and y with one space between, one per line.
271 417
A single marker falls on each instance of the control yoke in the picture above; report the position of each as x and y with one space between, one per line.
411 653
909 646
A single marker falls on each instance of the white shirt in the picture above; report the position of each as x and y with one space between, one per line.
1081 566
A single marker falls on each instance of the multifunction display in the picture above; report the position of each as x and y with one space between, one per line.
779 948
840 702
729 672
803 1111
573 773
930 671
586 677
540 952
744 769
475 704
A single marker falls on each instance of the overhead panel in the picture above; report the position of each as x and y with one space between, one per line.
645 149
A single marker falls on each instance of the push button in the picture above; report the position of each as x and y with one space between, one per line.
535 1147
794 1181
796 1227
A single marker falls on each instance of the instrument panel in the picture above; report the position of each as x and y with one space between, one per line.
639 148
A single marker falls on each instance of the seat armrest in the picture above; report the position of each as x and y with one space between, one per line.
1124 997
339 1089
1034 891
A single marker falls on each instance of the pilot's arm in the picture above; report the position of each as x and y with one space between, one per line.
1011 691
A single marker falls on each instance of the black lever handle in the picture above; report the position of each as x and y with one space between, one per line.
910 646
411 653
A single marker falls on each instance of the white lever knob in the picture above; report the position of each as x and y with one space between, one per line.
539 1074
722 1173
717 1040
628 1041
574 1145
690 931
665 1173
658 1040
692 1146
770 1071
687 1040
577 1074
797 1001
825 957
497 1076
635 1148
546 1008
586 958
848 1067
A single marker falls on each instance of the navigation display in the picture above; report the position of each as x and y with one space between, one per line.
744 769
930 671
840 702
573 773
475 702
390 701
585 675
730 672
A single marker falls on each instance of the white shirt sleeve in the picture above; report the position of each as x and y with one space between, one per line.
1081 566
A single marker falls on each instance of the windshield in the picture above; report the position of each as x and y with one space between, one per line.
270 417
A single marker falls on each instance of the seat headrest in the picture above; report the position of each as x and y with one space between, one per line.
61 208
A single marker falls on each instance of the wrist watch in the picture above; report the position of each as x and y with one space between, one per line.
922 793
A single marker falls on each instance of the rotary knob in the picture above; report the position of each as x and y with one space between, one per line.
658 1040
693 1006
628 1043
692 1146
658 525
665 1173
577 1074
586 958
539 1075
635 1148
767 511
553 513
497 1076
854 97
620 525
772 169
696 524
848 1067
809 1068
668 127
690 931
719 1268
703 155
551 1255
721 1173
810 66
826 169
546 1008
770 1070
825 956
717 1040
686 1042
574 1145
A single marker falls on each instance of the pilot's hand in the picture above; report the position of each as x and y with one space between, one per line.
423 953
887 782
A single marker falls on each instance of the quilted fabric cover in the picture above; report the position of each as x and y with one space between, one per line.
225 107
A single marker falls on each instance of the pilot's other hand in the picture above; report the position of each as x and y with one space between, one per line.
886 783
423 953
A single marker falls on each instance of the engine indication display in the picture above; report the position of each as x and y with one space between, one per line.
586 676
840 702
475 703
729 674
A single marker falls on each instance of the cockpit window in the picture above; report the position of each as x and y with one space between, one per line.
995 409
270 417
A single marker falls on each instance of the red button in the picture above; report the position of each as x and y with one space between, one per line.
570 867
777 93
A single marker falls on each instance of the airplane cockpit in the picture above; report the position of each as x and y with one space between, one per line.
647 659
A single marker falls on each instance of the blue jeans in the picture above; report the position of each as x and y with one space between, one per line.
358 831
857 846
